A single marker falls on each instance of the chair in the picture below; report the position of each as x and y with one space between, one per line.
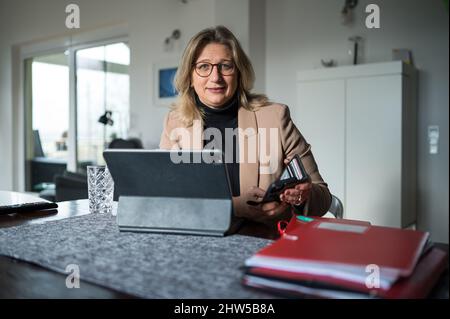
42 170
129 143
70 186
336 207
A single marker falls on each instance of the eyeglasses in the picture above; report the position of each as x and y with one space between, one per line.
204 69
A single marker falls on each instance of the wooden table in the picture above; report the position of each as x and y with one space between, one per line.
20 279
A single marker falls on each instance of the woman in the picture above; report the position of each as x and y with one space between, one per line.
214 82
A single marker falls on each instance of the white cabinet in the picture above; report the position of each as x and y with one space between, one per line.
361 123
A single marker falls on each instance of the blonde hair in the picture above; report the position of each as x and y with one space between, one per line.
185 106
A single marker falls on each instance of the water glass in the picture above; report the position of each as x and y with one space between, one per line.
100 189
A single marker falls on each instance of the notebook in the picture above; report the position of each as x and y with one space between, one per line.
14 202
342 251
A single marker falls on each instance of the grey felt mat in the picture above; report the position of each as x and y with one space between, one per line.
141 264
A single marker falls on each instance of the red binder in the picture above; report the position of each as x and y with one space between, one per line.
337 253
418 285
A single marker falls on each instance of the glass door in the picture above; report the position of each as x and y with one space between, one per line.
47 118
102 99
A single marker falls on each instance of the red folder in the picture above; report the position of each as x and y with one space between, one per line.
340 251
418 285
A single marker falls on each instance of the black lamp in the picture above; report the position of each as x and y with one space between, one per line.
106 118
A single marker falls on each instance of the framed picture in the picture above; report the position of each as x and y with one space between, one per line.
164 89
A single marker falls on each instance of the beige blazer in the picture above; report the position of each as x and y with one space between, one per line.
267 136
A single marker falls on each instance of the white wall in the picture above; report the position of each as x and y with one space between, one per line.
257 50
234 14
301 32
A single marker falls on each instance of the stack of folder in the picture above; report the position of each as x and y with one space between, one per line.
331 258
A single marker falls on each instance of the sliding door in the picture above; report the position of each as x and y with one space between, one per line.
102 99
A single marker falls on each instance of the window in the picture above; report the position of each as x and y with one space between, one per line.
66 94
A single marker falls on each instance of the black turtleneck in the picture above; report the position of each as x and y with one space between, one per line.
222 118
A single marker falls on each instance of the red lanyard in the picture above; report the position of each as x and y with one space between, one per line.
282 224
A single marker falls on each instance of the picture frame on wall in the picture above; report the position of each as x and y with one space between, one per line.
164 90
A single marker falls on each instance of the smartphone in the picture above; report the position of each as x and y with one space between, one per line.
293 174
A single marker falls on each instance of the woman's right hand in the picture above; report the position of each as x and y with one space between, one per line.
264 213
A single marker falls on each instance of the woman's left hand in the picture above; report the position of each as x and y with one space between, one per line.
297 194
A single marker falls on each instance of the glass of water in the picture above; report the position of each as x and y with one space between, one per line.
100 189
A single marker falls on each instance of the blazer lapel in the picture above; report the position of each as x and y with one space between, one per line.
248 150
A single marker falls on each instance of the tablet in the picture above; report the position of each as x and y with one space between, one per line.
185 174
181 191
